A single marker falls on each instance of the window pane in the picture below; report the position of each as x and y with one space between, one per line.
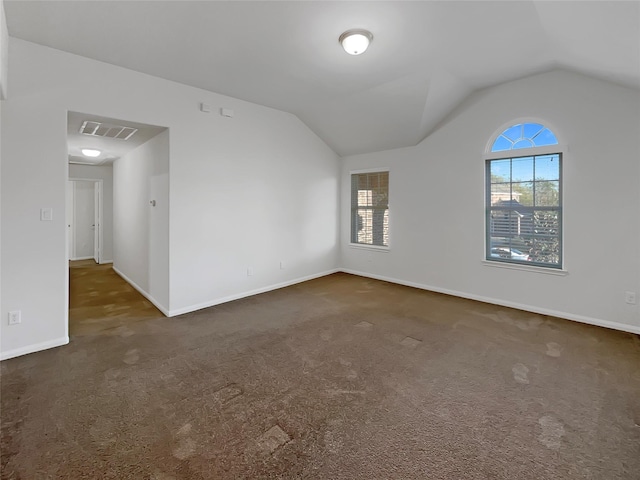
500 193
500 171
546 223
522 169
512 223
365 226
531 130
546 250
546 137
523 194
504 223
501 143
365 198
548 167
372 226
385 229
514 133
547 194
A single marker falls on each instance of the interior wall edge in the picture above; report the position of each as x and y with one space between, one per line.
142 292
503 303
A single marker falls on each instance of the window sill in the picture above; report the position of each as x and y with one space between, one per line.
526 268
374 248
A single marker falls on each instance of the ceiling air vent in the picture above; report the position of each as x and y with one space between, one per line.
108 130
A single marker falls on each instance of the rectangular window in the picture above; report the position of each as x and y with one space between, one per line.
524 210
370 208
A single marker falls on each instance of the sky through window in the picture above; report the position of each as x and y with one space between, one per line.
524 135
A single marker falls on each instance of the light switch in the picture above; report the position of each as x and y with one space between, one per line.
46 214
205 107
15 317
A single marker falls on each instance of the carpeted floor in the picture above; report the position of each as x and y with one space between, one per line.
337 378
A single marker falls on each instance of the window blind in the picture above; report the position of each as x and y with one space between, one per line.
370 208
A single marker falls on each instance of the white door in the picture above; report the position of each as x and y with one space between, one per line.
84 219
97 220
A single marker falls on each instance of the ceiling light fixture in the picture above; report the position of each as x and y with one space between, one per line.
90 152
355 42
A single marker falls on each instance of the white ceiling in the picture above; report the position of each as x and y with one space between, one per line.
426 56
111 148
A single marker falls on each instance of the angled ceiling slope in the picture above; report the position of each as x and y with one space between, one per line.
426 57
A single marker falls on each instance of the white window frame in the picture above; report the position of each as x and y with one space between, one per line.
364 246
559 148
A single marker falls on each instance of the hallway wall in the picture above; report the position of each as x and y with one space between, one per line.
141 230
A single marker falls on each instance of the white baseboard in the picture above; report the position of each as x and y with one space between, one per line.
527 308
142 292
170 313
34 348
102 262
238 296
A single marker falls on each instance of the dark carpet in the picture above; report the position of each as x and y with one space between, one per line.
337 378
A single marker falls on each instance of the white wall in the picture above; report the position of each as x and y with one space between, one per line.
141 230
4 52
104 173
33 256
245 191
267 193
437 195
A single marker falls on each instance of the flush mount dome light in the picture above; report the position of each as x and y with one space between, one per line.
90 152
355 42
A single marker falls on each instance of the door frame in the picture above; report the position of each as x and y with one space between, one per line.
98 231
97 222
70 218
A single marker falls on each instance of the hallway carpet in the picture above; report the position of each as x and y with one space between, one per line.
337 378
99 299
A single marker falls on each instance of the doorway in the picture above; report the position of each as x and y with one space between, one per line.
117 210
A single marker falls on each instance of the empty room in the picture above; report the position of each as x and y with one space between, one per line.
319 239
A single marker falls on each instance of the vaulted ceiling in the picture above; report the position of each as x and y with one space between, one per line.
425 58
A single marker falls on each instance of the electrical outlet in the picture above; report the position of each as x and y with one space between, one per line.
249 271
15 317
630 297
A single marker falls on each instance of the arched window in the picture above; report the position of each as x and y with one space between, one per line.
524 197
524 135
